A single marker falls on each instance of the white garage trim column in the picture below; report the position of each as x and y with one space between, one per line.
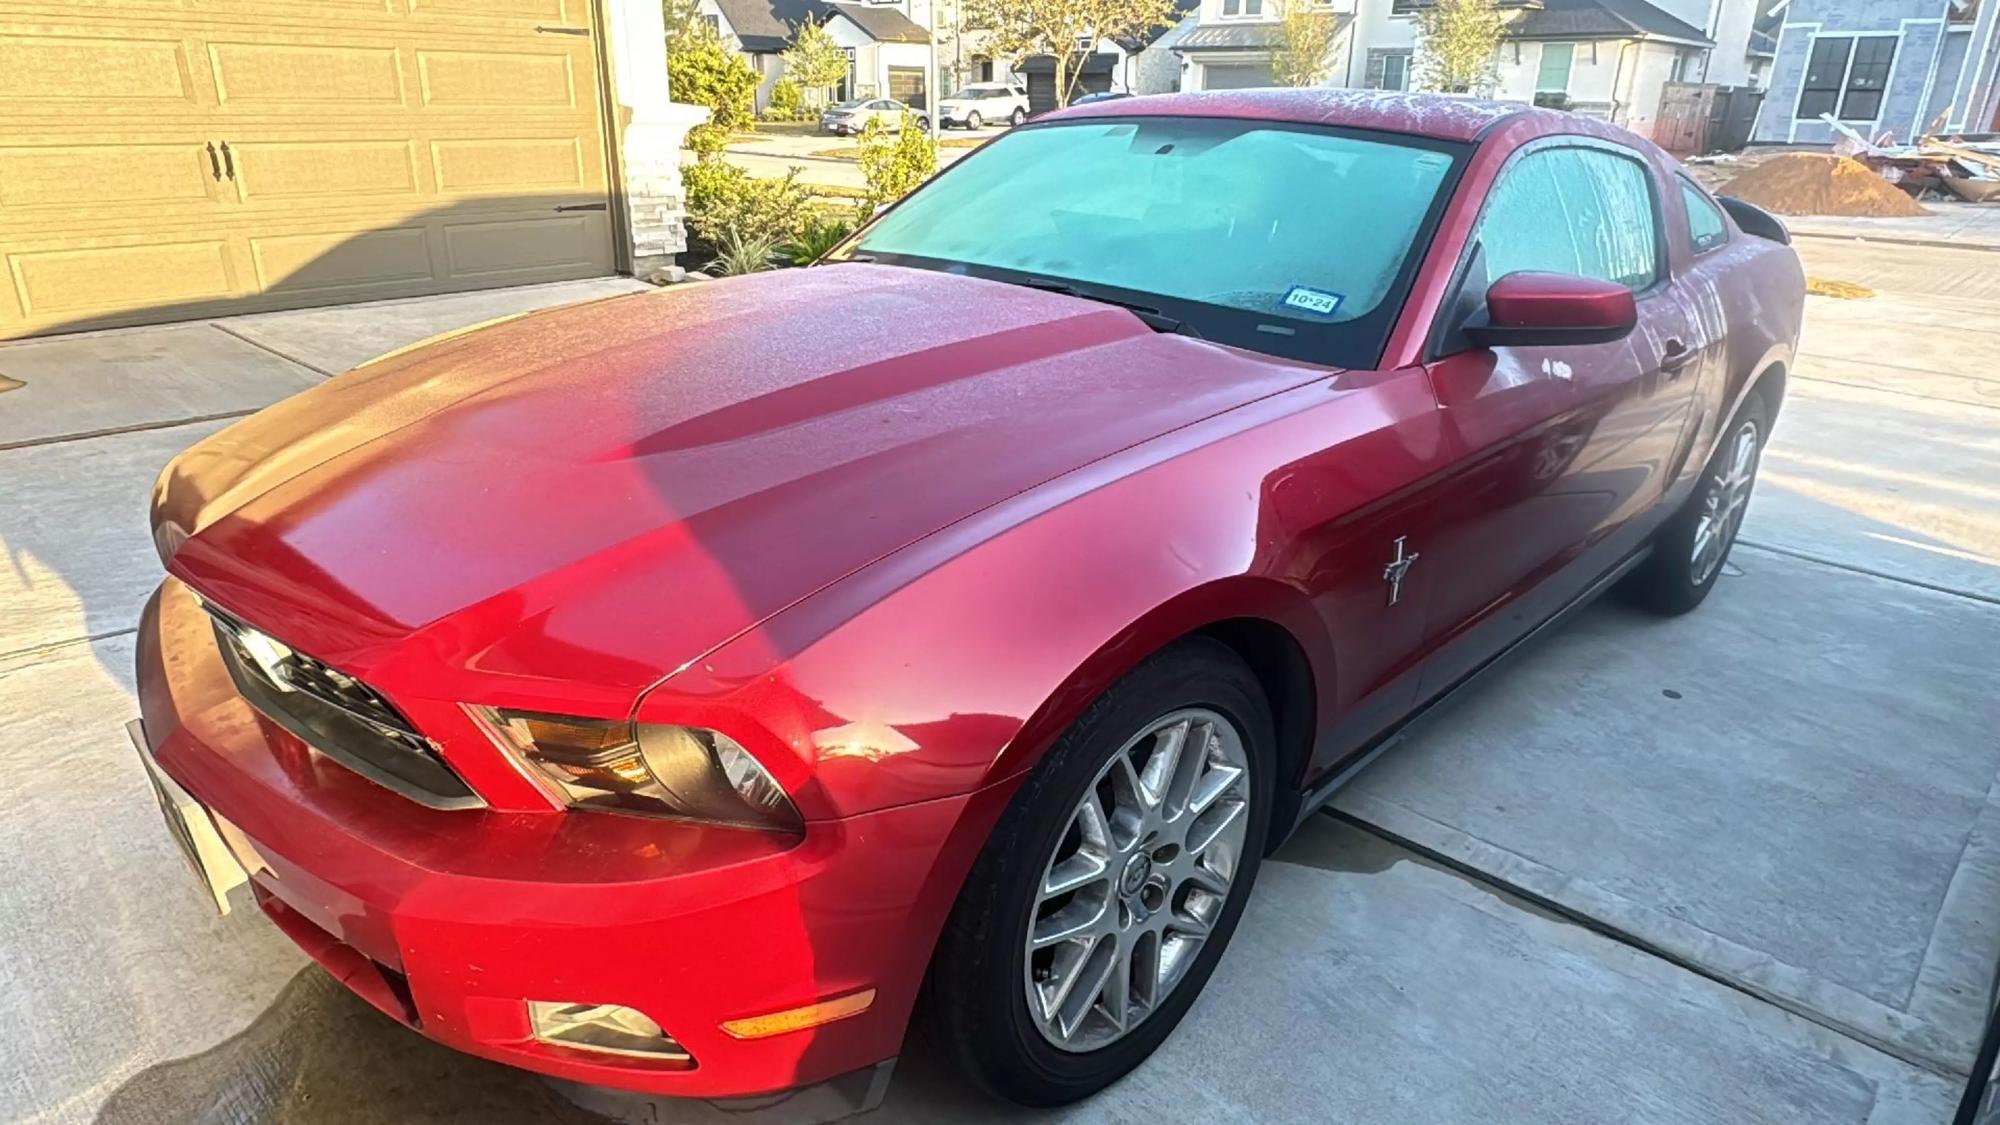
649 127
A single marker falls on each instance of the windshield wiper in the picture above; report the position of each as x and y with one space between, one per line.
1148 315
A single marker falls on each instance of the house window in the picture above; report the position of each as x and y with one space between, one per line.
714 23
1242 7
1554 75
1388 70
1845 76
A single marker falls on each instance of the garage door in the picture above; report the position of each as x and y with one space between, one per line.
1235 76
162 159
906 85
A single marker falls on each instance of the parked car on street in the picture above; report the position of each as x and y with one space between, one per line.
849 118
984 103
664 692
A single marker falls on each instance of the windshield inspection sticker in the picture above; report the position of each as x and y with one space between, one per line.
1312 300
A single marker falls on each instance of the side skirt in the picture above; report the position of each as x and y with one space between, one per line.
1321 792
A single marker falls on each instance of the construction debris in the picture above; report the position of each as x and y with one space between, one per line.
1805 183
1966 167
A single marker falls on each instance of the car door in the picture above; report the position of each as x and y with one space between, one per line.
1563 448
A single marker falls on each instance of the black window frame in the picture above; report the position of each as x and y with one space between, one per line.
1839 80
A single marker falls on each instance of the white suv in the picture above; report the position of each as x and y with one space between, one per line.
984 103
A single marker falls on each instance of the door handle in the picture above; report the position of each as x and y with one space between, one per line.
214 165
1673 361
228 161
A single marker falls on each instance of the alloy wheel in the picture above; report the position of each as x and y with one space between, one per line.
1138 879
1724 500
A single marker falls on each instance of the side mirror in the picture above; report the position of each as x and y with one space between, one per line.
1528 309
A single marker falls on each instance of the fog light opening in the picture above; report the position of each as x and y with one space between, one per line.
610 1029
798 1019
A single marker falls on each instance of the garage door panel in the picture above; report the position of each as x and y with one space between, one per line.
485 250
493 165
496 80
563 11
269 76
303 171
329 262
57 68
368 148
57 283
70 177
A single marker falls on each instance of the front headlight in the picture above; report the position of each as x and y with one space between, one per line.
645 768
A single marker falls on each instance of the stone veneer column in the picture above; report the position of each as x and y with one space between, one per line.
654 126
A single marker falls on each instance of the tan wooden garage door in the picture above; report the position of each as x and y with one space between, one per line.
162 159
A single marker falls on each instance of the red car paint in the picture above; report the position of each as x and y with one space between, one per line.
893 551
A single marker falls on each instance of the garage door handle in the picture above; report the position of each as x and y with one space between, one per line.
228 161
214 165
584 207
564 30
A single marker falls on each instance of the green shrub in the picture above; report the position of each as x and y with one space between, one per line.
818 233
788 102
704 72
738 253
895 163
722 197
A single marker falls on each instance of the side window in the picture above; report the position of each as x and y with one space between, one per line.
1580 211
1706 230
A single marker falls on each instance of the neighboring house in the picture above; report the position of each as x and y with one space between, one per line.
887 48
1150 64
170 161
1603 58
1882 66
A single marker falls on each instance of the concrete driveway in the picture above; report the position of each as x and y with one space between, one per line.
1737 867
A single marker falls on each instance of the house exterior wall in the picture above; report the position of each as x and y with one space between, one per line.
1592 74
1729 63
1936 65
649 141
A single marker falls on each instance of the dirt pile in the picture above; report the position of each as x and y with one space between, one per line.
1804 183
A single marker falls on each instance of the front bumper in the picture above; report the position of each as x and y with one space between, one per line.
450 921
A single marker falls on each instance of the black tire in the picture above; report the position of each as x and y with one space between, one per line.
1673 580
973 120
976 991
1020 117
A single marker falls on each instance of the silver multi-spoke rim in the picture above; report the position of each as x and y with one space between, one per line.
1138 879
1723 502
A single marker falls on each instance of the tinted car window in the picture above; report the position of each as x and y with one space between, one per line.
1706 230
1580 211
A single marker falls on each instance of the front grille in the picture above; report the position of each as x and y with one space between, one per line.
338 715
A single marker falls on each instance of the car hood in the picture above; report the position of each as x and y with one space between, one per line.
642 478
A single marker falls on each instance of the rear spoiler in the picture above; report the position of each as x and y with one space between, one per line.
1755 220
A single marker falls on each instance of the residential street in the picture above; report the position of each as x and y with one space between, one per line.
1738 867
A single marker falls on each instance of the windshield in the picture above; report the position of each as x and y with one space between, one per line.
1292 240
982 91
853 103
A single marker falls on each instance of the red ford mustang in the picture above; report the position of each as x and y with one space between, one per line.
661 693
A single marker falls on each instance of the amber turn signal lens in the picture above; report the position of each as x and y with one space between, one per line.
798 1019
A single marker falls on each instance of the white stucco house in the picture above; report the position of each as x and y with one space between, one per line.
886 44
1602 58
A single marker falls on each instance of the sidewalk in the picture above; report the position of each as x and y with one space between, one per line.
1961 226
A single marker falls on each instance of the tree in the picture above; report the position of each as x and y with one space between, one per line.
684 22
701 71
1305 50
1055 27
894 164
1456 40
815 62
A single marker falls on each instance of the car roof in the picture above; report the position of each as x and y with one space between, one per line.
1439 116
